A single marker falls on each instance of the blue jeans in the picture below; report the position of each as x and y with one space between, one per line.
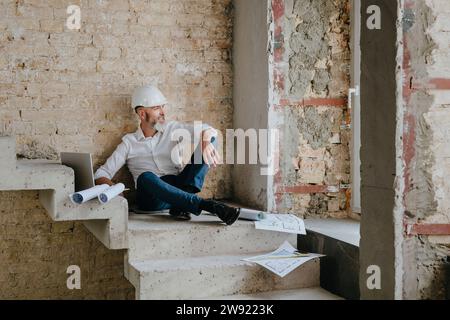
173 192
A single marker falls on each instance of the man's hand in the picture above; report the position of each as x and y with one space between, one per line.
210 154
101 181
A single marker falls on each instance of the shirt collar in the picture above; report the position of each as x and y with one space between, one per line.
140 134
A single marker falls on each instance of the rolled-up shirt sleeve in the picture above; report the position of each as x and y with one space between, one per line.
191 128
116 161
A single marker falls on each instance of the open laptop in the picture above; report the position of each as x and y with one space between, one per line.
81 163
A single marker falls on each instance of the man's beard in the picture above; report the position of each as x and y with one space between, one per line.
155 124
158 126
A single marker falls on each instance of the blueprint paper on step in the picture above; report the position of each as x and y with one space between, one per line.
284 260
111 193
86 195
282 223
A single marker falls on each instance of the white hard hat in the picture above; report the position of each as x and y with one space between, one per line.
147 96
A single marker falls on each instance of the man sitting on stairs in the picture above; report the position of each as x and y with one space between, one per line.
160 182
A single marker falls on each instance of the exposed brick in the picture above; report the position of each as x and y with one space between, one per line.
52 25
73 89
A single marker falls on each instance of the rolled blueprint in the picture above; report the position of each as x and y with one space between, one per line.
252 215
111 193
89 194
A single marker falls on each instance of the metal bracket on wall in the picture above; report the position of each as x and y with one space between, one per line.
352 92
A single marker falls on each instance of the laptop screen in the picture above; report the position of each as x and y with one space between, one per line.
81 163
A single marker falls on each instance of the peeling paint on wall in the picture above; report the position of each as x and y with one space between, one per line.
313 152
316 127
308 44
431 273
314 68
318 43
426 148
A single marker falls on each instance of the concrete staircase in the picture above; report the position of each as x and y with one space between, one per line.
167 259
109 223
203 259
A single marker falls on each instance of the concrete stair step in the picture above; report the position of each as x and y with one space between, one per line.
203 277
55 182
316 293
344 230
160 236
338 240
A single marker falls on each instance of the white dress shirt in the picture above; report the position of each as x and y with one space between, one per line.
153 154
